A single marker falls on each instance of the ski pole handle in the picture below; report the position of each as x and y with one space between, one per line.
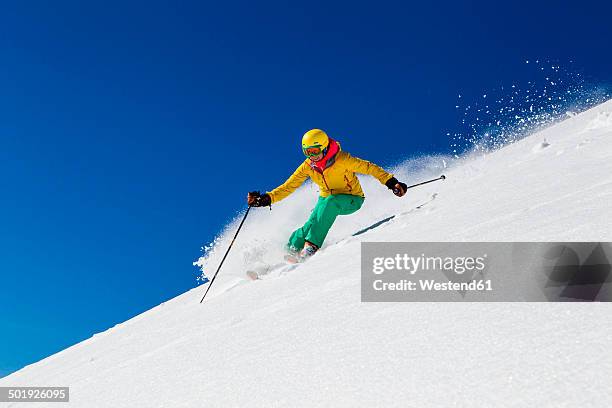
442 177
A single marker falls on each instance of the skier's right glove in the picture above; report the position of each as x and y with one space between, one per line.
256 199
399 188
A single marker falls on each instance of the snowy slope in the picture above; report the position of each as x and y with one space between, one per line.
304 338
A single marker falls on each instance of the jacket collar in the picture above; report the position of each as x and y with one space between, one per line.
330 157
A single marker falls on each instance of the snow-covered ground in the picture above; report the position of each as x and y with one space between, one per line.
305 339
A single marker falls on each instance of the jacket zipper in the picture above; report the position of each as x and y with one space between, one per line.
325 181
318 170
347 183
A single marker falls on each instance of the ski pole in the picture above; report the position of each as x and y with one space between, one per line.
442 177
226 252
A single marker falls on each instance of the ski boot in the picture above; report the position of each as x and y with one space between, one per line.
309 250
297 256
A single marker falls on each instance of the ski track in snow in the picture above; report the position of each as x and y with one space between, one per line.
305 339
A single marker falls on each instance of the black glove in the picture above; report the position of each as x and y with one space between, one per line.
399 188
256 199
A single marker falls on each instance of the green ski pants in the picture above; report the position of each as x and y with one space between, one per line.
322 217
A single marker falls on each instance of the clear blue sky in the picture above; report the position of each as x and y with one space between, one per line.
131 131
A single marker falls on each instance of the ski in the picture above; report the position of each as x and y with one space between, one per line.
385 220
252 275
263 272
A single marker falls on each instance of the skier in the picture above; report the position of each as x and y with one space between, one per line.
333 170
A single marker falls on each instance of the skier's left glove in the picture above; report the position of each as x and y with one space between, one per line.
399 188
256 199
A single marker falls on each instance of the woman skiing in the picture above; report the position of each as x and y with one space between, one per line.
333 170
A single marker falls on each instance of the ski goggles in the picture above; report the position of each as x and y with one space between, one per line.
312 151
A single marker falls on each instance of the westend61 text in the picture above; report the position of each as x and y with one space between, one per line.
431 285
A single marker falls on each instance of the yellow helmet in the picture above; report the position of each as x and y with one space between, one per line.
315 138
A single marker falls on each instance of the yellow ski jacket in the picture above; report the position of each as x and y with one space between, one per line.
339 178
